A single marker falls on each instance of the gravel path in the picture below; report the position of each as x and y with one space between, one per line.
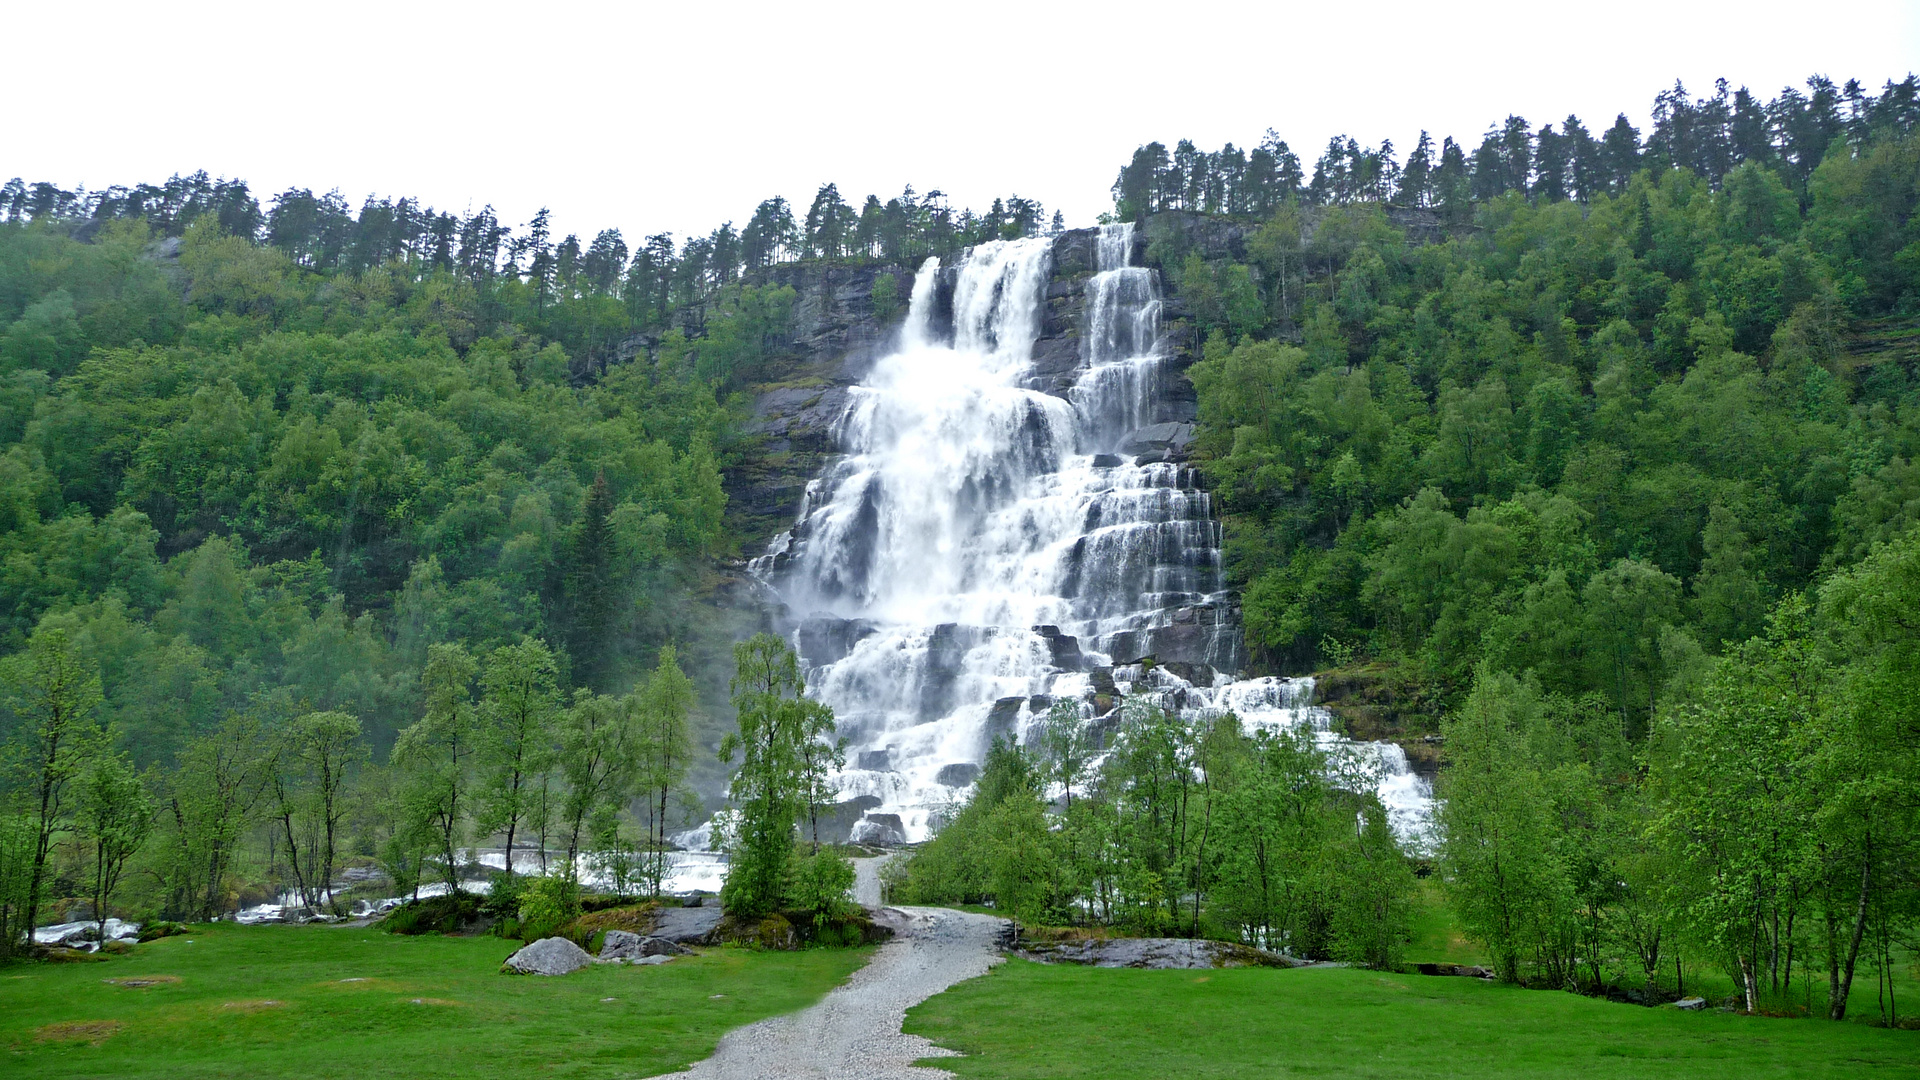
854 1032
866 879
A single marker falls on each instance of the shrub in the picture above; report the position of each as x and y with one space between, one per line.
434 915
822 883
547 904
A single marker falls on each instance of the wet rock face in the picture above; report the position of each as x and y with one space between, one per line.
825 639
959 774
548 956
1063 649
880 829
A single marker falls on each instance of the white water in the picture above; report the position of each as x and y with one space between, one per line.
686 872
976 523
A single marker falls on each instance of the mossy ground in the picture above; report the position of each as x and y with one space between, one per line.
277 1001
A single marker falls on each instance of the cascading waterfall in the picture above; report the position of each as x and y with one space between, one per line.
985 547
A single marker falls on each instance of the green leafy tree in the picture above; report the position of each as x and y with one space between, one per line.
213 803
664 748
116 816
773 786
598 756
54 694
307 774
519 704
436 757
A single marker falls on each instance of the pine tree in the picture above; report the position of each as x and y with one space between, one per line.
591 590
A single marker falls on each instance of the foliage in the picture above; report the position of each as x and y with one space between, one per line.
780 742
1190 827
445 914
547 903
822 882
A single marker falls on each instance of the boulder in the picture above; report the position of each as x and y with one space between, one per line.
1691 1004
634 948
690 925
548 956
825 639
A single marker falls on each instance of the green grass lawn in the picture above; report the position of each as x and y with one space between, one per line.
1437 938
276 1001
1035 1021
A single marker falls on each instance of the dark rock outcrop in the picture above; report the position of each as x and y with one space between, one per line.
825 639
958 774
885 829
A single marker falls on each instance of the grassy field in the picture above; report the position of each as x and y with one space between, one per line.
269 1002
1437 938
1034 1021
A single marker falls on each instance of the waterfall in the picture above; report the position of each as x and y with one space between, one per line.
985 548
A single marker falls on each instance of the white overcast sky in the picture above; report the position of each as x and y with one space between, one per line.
677 117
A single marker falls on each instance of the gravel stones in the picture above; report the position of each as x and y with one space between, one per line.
548 956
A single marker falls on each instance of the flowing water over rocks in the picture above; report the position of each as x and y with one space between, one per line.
1007 530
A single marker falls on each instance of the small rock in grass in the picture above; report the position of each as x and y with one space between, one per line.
548 956
1691 1003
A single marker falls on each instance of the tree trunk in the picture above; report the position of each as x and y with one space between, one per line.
100 888
1843 983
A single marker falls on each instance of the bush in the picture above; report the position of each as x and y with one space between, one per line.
503 896
547 904
822 883
447 914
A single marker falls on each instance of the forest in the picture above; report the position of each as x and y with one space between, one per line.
1589 459
330 534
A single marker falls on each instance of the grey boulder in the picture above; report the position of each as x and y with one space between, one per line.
549 956
633 948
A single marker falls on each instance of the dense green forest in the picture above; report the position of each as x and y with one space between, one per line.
333 534
1592 458
275 476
